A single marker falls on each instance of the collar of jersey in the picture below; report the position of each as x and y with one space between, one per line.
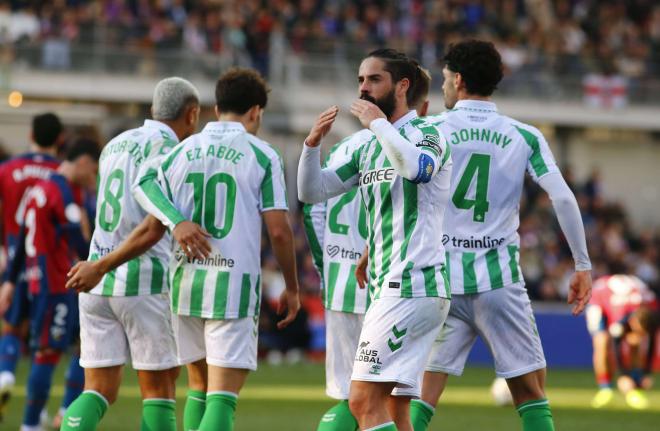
411 115
224 126
476 105
161 126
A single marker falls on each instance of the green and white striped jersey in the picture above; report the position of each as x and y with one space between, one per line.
404 219
117 213
336 232
491 153
222 179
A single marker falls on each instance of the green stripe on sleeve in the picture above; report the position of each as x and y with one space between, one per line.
349 292
430 283
406 281
109 283
157 274
170 158
246 287
197 292
513 263
494 270
157 198
333 272
314 243
536 159
267 193
469 274
133 277
176 288
221 295
257 291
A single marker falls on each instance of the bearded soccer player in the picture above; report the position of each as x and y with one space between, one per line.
226 180
54 232
491 153
402 172
16 176
337 231
126 315
623 310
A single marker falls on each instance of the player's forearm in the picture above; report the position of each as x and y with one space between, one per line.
569 217
408 160
314 183
139 241
151 197
282 242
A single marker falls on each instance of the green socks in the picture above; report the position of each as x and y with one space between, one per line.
194 410
219 413
158 414
338 418
421 413
85 413
536 415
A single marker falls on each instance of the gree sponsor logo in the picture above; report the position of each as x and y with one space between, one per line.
375 176
335 251
472 242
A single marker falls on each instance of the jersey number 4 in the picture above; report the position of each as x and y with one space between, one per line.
478 166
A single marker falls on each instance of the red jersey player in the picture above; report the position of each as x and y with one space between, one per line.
55 230
16 176
622 311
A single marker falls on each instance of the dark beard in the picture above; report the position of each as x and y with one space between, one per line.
387 104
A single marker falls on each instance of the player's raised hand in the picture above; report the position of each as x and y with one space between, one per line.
322 126
366 112
289 302
6 294
361 269
84 276
579 292
192 239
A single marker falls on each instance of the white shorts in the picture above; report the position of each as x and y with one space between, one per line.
116 328
505 321
229 343
396 339
342 333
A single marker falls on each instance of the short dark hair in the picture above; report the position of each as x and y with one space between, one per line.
46 129
83 147
398 64
648 318
421 88
479 64
239 89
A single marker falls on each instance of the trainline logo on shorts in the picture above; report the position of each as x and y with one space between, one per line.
472 242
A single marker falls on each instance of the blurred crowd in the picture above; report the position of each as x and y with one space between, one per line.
569 38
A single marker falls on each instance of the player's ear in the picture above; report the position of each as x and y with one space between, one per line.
403 85
217 111
424 109
458 81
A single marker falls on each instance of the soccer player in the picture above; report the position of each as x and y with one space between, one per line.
226 180
336 231
491 153
402 172
127 313
16 176
622 310
54 231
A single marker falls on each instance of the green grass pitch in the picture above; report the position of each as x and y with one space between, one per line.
292 398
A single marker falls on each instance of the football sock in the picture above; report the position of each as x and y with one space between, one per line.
38 388
388 426
85 413
604 381
193 411
158 414
421 413
536 415
75 381
338 418
10 348
219 413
